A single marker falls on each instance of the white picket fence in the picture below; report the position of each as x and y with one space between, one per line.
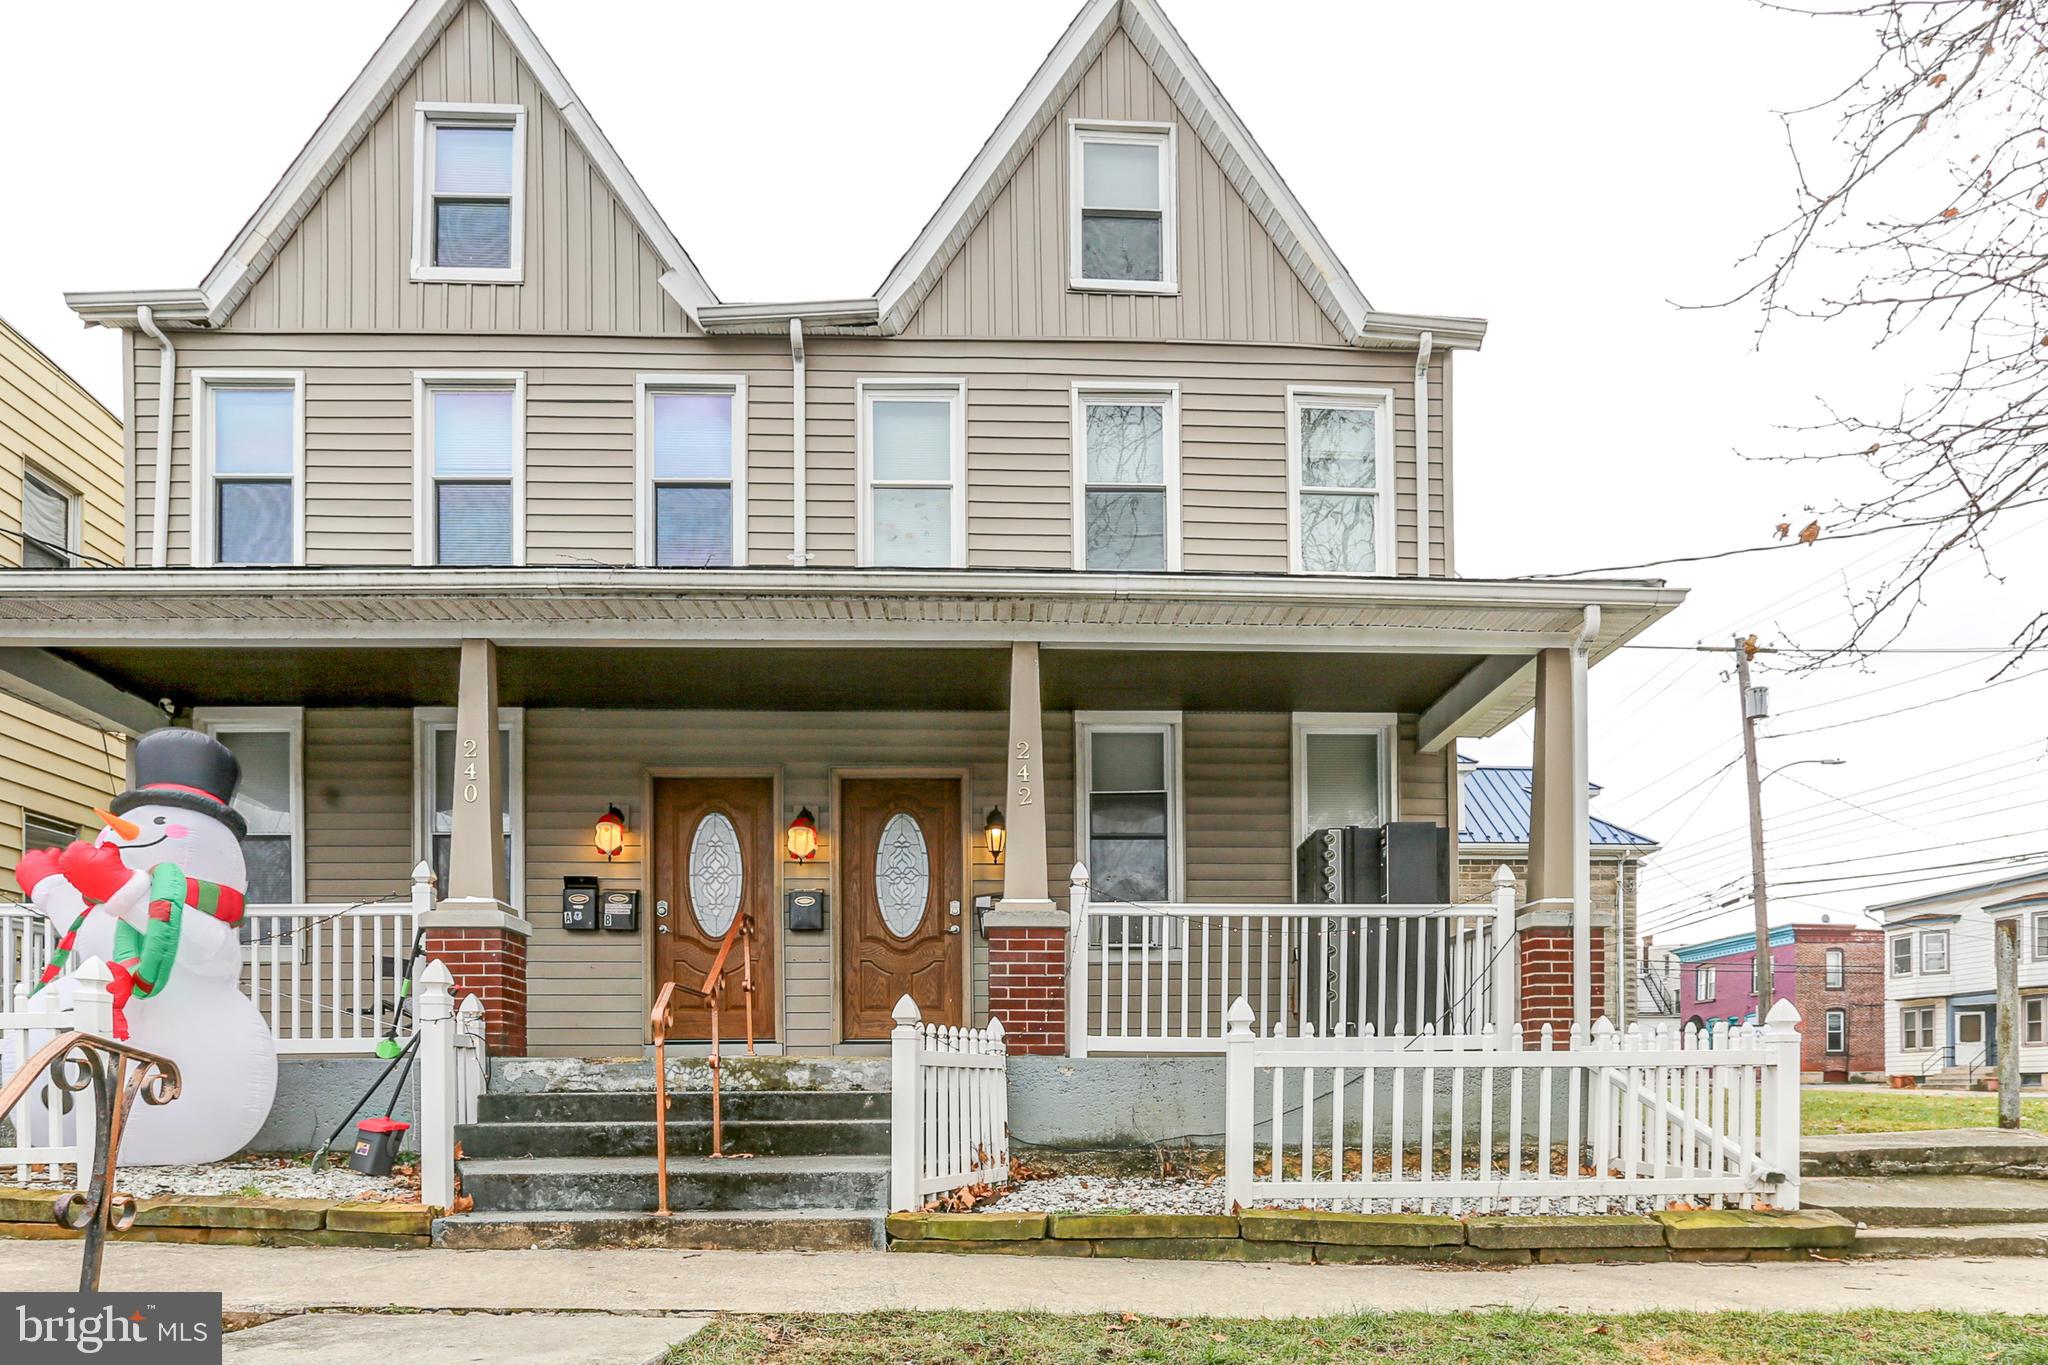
1614 1120
38 1148
453 1064
328 978
1160 978
949 1107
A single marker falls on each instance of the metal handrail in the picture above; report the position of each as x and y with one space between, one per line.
713 991
75 1060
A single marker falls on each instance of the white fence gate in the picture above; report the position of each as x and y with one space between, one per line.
39 1148
1463 1125
27 942
949 1107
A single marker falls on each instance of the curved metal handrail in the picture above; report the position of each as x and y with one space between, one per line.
73 1061
659 1019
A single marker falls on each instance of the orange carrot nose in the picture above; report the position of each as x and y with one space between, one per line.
127 829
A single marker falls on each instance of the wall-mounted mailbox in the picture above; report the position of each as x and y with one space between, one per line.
579 903
805 909
621 911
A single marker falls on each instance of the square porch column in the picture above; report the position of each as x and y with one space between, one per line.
1027 933
1563 957
474 930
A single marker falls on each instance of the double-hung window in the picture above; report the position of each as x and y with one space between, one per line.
1343 770
1934 952
1127 477
1838 1030
46 831
1340 446
252 439
693 474
469 188
1128 816
1916 1028
434 789
49 523
913 474
2034 1018
1703 984
2041 937
1837 969
267 741
1121 220
470 436
1902 955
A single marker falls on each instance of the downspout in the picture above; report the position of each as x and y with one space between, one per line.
798 555
1582 852
166 396
1422 350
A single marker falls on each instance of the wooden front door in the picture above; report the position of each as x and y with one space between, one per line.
714 859
903 928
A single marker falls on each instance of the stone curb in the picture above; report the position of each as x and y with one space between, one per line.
231 1220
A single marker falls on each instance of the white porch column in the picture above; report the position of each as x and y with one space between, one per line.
1557 987
1027 939
476 845
1026 878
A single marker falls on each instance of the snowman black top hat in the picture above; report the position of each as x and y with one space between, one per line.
188 769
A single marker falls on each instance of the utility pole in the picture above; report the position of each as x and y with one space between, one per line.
1755 706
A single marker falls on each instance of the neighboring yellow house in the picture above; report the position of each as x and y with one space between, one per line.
60 507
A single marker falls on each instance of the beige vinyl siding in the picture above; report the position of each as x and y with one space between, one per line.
358 769
49 765
588 268
1010 276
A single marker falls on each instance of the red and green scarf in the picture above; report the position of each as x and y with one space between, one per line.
143 958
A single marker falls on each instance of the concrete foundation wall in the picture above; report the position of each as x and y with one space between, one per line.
315 1093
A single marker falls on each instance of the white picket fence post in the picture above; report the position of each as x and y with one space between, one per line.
1077 962
906 1128
1781 1102
434 1006
1238 1043
469 1071
92 1005
422 891
1507 956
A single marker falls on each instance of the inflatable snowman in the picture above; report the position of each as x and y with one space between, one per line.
158 896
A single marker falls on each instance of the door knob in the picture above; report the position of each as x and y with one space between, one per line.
662 927
952 928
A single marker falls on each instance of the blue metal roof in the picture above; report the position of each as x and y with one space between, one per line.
1496 811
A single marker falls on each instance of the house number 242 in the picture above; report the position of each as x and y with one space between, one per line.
1024 796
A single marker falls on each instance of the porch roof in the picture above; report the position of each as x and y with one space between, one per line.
1469 641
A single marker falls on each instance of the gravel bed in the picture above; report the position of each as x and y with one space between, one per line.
1102 1194
269 1177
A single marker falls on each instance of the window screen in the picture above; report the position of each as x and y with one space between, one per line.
1123 226
1341 779
1124 490
47 514
911 480
254 459
691 457
475 449
472 194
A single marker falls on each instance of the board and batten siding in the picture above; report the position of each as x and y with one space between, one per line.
580 433
589 992
49 765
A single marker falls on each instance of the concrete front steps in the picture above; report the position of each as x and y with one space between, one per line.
1926 1201
562 1155
1946 1151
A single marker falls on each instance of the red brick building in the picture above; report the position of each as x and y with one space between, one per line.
1833 974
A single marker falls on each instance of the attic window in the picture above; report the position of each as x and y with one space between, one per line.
470 184
1122 207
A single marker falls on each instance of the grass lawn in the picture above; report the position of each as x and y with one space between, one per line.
1891 1111
1421 1338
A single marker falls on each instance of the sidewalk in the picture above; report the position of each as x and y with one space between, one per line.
277 1280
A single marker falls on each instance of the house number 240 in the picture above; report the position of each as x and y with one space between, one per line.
469 770
1024 796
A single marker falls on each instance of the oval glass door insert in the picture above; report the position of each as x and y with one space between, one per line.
903 874
715 874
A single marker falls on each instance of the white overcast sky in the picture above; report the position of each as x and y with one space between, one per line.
1566 170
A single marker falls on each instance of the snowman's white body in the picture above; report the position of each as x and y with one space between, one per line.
227 1059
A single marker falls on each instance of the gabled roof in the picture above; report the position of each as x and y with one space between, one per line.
1217 125
1496 810
1973 891
345 126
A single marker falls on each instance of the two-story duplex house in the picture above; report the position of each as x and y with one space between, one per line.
1941 982
1114 528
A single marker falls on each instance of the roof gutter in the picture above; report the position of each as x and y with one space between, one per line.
166 392
740 318
1422 348
798 554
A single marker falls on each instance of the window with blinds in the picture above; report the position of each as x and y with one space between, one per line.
695 498
252 460
470 193
49 524
474 448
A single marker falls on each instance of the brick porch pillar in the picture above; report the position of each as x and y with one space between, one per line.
1546 973
488 962
1027 987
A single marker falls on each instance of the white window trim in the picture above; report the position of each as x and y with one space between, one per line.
1703 993
1301 396
1385 724
291 721
1167 397
1927 937
952 390
1834 1023
2034 1020
1925 1035
1834 969
2038 928
511 720
426 117
1892 954
73 548
205 533
1167 723
1166 136
424 549
53 823
645 386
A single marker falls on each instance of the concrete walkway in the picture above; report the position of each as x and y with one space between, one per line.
282 1280
463 1338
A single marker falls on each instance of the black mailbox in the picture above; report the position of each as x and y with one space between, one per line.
579 903
622 911
805 909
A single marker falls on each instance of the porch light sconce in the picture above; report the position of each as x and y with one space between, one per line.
610 834
998 834
802 840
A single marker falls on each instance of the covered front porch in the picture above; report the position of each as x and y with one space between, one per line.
960 743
